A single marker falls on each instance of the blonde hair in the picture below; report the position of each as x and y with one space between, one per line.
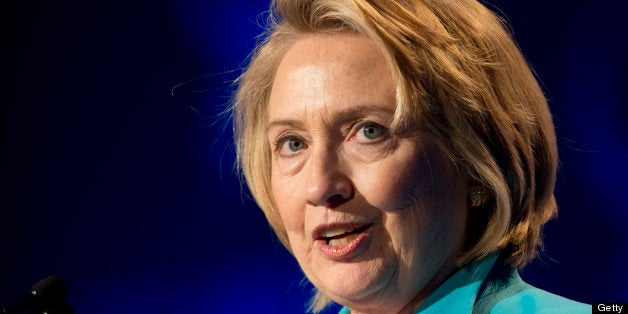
460 76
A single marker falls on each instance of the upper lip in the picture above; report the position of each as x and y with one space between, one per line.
335 229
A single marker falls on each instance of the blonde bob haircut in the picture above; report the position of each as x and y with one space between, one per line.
459 76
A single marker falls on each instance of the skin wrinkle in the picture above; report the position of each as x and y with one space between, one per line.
429 166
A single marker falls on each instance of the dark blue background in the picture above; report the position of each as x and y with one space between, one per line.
129 193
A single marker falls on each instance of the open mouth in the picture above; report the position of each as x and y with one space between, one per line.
342 236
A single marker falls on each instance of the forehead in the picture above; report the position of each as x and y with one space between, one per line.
327 71
323 49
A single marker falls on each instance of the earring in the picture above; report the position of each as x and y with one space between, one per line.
478 196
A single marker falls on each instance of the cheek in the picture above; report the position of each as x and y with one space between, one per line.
291 210
416 191
284 191
395 183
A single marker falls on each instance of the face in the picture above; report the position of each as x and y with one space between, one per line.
375 218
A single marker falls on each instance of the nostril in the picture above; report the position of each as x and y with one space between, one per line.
337 200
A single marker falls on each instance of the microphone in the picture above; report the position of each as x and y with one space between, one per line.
47 296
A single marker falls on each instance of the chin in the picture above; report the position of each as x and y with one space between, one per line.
351 281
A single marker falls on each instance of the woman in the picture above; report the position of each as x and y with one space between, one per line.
403 152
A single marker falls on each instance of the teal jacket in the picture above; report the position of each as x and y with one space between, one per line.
489 286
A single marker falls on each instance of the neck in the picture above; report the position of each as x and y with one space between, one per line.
409 306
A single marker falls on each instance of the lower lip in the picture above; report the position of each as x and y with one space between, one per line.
346 251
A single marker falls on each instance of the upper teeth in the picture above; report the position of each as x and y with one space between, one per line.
329 233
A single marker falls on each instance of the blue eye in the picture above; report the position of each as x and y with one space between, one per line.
289 145
372 131
295 145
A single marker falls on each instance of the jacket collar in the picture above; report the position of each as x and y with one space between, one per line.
459 292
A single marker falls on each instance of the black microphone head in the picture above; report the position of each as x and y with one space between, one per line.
46 295
50 290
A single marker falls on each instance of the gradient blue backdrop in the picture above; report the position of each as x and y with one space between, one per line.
125 187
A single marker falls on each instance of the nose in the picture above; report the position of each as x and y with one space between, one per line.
328 184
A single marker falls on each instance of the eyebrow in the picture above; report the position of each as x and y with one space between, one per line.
293 124
343 115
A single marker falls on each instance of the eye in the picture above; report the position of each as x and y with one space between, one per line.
294 144
370 132
289 144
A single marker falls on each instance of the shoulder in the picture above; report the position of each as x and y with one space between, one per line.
534 300
505 292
